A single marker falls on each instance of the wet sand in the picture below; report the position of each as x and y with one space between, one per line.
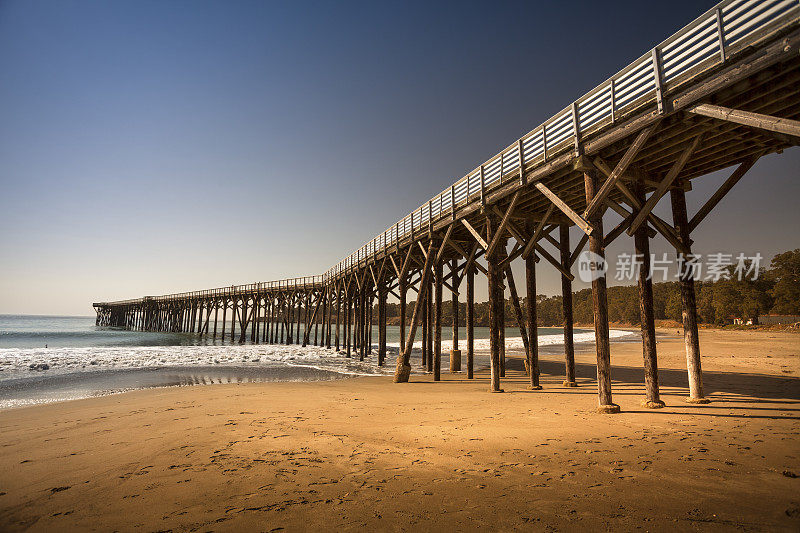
365 453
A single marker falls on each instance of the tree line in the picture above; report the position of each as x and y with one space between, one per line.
775 290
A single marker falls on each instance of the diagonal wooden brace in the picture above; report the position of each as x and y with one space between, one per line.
598 200
501 229
537 232
475 234
734 178
665 184
567 210
664 228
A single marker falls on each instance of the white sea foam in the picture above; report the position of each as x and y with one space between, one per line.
544 340
18 362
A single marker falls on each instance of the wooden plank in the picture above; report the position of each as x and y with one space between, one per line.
406 263
424 253
511 227
619 229
517 308
553 261
396 269
538 231
475 234
549 238
599 199
566 306
500 229
374 277
471 256
660 225
651 202
567 210
444 242
722 191
578 249
748 118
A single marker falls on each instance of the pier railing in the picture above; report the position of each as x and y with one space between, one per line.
301 283
705 43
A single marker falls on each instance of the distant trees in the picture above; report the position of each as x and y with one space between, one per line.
776 290
784 273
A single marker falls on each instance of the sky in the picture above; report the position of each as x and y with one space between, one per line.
153 147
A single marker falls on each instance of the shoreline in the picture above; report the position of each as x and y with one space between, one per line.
75 373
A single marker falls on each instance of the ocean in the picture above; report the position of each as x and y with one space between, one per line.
53 358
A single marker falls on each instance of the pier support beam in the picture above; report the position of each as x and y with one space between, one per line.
403 370
470 273
426 327
455 353
689 304
338 315
381 325
402 289
345 335
495 312
429 303
533 334
599 301
642 250
437 322
566 307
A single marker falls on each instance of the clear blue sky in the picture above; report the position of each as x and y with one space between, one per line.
154 147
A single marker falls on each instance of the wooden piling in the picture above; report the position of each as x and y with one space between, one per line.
688 302
600 304
455 353
470 273
426 323
429 302
234 311
533 333
216 316
495 311
402 288
437 322
381 325
403 369
566 306
642 251
339 299
348 321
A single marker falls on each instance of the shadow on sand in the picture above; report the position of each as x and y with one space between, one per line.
725 386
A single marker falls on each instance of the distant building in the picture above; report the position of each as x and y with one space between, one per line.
765 320
778 319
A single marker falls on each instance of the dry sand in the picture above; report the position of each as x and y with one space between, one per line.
424 456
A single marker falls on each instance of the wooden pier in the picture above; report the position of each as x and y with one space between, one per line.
722 92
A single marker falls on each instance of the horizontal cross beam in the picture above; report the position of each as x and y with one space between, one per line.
748 118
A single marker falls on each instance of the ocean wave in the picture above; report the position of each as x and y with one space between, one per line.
19 362
15 362
544 340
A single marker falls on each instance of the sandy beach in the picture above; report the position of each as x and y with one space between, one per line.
366 453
